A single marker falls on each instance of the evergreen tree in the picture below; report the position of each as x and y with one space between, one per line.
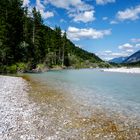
65 59
25 39
11 30
58 45
38 38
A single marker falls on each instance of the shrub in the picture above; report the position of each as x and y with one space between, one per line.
21 67
11 69
40 66
3 68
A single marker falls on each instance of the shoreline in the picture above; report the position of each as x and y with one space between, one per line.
123 70
15 108
47 114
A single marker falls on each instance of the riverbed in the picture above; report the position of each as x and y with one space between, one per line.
36 109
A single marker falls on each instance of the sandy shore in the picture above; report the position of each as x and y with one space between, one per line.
123 70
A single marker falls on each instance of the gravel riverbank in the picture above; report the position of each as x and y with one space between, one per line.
47 115
15 109
123 70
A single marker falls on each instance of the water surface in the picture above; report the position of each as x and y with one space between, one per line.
118 92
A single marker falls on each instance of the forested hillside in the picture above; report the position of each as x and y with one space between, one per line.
26 43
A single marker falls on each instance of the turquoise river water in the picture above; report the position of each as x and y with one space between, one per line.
119 92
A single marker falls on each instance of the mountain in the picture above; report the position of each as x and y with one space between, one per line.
118 60
133 58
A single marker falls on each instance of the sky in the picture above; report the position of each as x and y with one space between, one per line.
108 28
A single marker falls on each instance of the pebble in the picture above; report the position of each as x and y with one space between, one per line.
21 118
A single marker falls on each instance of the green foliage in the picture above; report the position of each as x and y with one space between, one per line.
112 64
104 65
11 69
21 67
133 64
40 65
18 67
3 68
26 43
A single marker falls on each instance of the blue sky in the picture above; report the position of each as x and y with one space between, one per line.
109 28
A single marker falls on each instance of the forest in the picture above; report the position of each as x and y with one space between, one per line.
26 43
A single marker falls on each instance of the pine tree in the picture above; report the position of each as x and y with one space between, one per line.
63 47
38 38
11 30
58 45
25 38
4 48
65 58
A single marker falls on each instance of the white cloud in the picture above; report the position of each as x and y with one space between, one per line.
105 18
68 4
135 40
46 14
108 55
77 9
26 3
86 16
63 21
119 54
129 14
62 4
137 46
130 50
90 33
123 51
41 8
125 46
113 22
108 51
39 5
79 46
107 58
103 2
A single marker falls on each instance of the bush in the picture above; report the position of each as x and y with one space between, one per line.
21 67
41 66
3 69
11 69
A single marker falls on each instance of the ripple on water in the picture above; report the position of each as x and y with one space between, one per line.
62 116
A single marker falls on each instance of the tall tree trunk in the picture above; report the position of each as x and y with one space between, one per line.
63 56
33 33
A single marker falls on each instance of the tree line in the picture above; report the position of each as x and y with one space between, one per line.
27 42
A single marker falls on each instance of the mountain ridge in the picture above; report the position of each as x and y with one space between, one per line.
118 60
135 57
